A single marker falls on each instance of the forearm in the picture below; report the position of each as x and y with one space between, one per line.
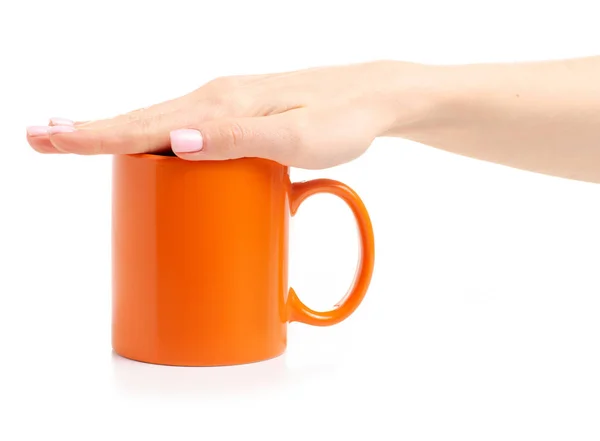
543 117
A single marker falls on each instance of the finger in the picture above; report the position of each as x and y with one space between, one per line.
149 133
276 137
57 121
134 116
37 137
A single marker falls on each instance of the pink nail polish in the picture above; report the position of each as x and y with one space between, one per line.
61 121
60 129
186 141
37 130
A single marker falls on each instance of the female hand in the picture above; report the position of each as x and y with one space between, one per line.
543 116
313 118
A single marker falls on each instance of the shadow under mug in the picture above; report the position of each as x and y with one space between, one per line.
200 259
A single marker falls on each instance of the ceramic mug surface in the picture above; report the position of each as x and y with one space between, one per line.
200 259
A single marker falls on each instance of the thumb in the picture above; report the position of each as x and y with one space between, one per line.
274 137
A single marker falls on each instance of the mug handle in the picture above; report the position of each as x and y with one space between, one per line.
298 311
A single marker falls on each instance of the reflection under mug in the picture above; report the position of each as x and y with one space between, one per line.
200 259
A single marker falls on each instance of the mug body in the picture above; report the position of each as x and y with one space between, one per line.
199 260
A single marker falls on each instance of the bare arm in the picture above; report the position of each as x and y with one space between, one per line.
543 117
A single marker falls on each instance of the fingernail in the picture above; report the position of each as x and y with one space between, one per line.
37 130
60 129
186 141
61 121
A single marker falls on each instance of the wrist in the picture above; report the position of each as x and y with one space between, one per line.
415 97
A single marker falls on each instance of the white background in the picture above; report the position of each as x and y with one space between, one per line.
482 318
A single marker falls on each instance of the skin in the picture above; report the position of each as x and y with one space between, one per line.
542 116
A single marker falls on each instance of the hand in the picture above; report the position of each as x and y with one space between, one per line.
313 118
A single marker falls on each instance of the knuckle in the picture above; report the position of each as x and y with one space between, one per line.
221 83
145 127
135 115
230 139
217 103
299 132
296 137
98 146
236 134
227 97
231 104
235 104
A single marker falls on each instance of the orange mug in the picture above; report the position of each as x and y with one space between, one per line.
200 259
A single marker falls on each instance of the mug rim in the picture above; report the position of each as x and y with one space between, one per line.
158 157
150 156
